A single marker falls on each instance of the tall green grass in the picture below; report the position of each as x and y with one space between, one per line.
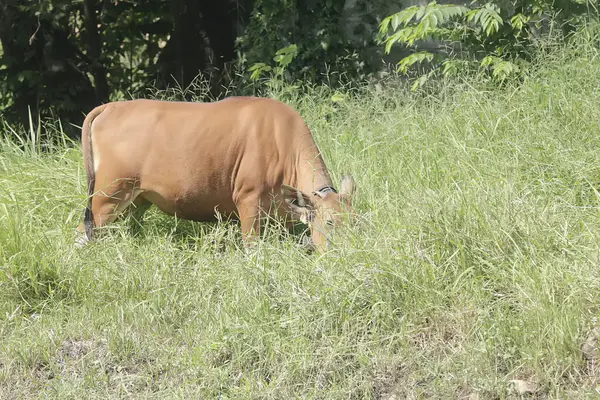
475 261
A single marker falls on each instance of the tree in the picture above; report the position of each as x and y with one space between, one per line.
41 65
94 50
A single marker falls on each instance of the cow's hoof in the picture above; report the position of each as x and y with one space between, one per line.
81 240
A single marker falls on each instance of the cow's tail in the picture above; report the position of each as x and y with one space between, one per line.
88 161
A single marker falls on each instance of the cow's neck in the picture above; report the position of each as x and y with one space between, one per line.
311 172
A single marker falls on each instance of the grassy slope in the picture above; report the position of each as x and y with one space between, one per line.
476 262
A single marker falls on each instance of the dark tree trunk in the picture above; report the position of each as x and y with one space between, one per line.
183 57
94 51
219 18
223 22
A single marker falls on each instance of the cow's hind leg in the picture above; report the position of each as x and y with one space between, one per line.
109 201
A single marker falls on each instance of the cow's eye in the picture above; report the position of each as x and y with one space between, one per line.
329 222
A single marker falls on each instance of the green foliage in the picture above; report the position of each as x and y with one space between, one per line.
332 38
48 65
428 20
414 58
133 38
495 36
283 58
39 67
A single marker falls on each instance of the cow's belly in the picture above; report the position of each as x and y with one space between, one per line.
191 207
188 190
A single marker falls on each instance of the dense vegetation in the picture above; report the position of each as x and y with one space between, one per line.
475 261
59 58
498 37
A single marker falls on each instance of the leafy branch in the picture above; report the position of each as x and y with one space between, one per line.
488 36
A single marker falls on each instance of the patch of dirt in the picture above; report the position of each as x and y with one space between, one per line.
395 382
76 357
73 352
75 349
522 387
589 348
590 351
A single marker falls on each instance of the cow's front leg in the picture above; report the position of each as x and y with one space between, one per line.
249 214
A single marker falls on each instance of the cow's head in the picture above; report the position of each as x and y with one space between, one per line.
321 210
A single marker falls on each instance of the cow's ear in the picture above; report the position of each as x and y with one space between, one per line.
298 202
348 186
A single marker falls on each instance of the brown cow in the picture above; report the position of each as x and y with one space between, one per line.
238 157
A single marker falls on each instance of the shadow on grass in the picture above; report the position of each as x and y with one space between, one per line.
218 235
